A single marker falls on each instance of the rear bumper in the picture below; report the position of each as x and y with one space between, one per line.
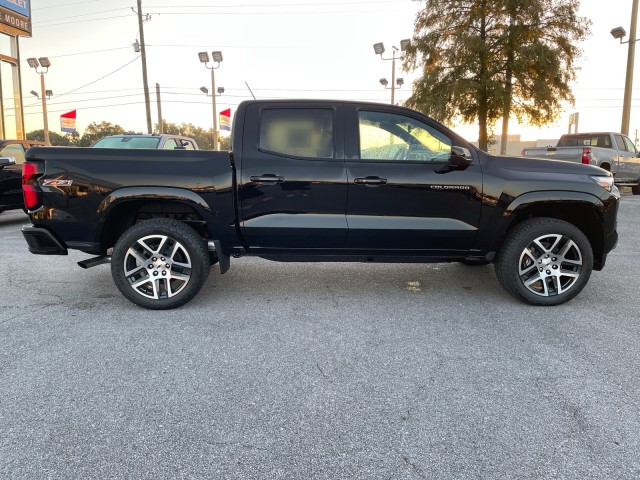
42 241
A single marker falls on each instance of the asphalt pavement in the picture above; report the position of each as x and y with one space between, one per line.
318 371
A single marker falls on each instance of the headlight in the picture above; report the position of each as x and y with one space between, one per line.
604 182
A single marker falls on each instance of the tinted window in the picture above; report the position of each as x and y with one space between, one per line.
16 150
386 136
127 142
603 141
297 132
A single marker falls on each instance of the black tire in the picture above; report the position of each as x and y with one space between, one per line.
176 263
635 189
544 261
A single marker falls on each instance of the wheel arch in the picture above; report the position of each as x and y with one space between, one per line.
126 207
581 210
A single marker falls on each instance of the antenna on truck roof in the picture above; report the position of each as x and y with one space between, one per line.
254 97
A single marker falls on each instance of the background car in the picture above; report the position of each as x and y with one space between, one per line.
11 160
156 142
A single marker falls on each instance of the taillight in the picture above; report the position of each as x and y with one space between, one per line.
31 192
586 156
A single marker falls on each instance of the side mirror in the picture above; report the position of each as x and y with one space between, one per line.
6 161
460 157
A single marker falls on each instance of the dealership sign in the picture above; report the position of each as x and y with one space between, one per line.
15 17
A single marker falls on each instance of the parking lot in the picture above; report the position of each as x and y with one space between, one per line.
318 371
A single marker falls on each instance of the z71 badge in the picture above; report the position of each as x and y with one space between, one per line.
57 183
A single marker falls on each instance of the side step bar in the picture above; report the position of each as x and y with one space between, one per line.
95 261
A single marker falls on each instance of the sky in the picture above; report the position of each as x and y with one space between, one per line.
279 48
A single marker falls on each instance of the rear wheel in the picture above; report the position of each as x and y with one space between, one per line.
160 263
635 189
544 261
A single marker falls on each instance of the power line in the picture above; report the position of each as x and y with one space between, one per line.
82 15
64 5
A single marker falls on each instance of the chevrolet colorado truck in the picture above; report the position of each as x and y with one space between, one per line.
321 181
612 151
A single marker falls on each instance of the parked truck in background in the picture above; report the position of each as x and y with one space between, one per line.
612 151
321 181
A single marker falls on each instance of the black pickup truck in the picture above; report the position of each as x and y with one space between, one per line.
321 181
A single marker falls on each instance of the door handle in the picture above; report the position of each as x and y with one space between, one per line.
267 178
370 181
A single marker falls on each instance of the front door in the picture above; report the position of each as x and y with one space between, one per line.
403 194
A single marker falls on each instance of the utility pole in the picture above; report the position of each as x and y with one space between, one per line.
626 108
143 53
160 122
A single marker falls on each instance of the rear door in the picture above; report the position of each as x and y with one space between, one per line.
403 196
292 179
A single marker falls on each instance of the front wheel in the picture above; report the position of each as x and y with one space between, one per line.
160 263
544 261
635 189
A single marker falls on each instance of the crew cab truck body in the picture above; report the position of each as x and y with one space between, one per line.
613 152
322 181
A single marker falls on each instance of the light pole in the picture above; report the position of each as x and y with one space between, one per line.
204 58
399 82
619 33
379 49
36 63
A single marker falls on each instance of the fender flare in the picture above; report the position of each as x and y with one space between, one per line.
546 196
117 197
188 197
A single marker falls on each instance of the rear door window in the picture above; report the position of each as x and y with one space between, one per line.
297 132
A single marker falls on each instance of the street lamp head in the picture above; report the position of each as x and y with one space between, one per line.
405 44
204 57
34 93
220 90
44 62
400 81
33 62
48 93
217 56
384 82
378 48
204 90
618 33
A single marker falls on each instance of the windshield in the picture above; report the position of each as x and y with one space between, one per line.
127 142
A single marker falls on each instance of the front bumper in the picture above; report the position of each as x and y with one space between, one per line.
42 241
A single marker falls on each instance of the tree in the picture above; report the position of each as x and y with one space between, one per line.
55 138
488 59
96 131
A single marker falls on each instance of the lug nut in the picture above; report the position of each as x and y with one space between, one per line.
154 259
541 270
164 272
150 266
155 274
554 259
162 259
548 272
555 267
168 266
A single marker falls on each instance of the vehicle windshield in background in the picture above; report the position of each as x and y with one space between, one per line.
127 142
